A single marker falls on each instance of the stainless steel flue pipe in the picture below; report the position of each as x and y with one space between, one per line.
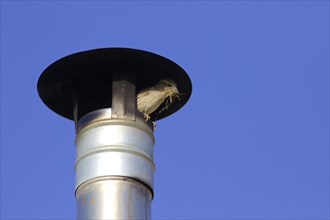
114 167
114 143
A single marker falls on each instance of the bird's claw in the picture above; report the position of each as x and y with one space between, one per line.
146 116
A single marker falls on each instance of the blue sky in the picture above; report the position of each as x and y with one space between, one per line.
251 143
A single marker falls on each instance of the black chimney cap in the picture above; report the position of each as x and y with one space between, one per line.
87 75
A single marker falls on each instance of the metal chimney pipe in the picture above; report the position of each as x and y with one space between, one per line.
114 143
114 167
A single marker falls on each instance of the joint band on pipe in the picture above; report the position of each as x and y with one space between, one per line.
115 147
113 198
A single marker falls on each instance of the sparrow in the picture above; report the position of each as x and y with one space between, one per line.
149 99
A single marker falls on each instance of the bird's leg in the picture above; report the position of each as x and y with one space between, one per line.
146 116
165 108
168 102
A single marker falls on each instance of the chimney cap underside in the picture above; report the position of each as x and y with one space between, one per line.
87 75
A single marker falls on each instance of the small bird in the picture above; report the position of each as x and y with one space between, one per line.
149 99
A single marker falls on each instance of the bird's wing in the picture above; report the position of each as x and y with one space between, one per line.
142 94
